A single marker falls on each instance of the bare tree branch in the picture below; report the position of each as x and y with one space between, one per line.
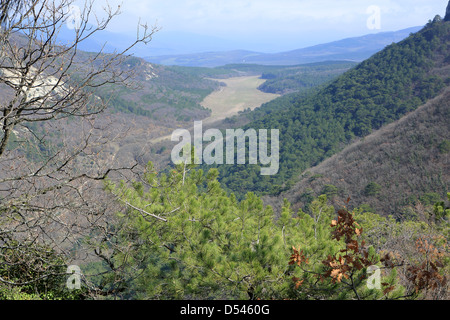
52 157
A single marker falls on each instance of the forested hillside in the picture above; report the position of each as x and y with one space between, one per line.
158 92
378 91
395 171
280 79
303 77
161 93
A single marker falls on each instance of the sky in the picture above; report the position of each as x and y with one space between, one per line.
268 25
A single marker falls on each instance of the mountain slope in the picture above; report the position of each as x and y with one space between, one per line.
378 91
403 162
160 99
355 49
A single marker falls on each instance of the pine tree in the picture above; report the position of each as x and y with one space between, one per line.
196 241
184 237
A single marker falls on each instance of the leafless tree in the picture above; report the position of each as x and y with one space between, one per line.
51 142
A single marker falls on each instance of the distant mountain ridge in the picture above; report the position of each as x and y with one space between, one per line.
378 91
353 49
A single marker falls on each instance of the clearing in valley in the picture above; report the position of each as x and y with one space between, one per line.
239 94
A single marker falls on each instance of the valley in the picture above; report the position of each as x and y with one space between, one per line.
89 191
238 94
234 95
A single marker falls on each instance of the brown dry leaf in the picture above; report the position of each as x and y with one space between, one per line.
298 284
388 289
335 273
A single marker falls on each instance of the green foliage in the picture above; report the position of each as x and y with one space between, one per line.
201 244
444 146
33 272
176 89
330 190
441 210
429 198
339 273
38 146
410 258
302 77
186 238
372 189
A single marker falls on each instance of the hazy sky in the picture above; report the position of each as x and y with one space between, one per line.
275 25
